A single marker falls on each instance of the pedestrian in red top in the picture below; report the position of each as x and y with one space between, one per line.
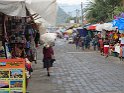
48 54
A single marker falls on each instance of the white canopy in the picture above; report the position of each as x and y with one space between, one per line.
13 8
105 26
109 26
47 9
99 27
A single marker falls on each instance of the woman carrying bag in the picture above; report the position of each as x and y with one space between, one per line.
48 58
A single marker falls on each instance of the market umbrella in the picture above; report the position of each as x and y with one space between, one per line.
99 27
119 23
70 31
48 38
109 26
92 27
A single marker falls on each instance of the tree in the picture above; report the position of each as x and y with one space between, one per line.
101 10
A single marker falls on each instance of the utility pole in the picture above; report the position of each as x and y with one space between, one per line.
82 13
77 15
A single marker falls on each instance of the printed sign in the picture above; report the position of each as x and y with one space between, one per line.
12 76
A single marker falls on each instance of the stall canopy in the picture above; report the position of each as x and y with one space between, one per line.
109 26
47 9
105 26
119 23
69 32
92 27
99 27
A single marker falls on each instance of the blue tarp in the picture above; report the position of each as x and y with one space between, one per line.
119 23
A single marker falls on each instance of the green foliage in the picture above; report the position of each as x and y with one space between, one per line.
118 10
102 10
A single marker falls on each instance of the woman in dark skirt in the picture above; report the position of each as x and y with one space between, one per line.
47 58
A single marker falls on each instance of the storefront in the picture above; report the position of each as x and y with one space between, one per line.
18 32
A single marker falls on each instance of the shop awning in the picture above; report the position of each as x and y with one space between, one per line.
119 23
108 27
105 26
13 7
47 9
92 27
99 27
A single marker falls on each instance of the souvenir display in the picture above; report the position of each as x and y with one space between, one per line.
12 75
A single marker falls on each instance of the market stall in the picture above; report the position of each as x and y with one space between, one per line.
17 39
18 31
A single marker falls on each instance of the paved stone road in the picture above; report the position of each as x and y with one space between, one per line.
77 71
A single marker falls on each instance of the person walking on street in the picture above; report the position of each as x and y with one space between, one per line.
48 59
87 42
94 42
121 53
82 42
76 40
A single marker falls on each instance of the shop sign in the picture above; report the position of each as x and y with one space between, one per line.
12 76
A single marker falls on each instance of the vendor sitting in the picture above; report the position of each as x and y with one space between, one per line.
117 49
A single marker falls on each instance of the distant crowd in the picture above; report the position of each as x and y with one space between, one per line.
96 43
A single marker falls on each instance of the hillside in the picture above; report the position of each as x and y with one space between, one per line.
61 16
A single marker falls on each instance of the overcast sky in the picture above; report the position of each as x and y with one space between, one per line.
69 6
71 2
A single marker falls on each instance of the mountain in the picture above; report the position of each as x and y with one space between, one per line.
71 9
61 16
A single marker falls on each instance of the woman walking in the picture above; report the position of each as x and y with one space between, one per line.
48 59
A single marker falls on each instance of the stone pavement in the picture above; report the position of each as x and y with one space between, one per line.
77 71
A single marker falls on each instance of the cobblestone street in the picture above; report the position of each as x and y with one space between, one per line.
77 71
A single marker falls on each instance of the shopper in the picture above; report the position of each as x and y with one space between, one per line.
82 42
76 40
48 58
87 42
94 42
101 45
121 54
106 48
